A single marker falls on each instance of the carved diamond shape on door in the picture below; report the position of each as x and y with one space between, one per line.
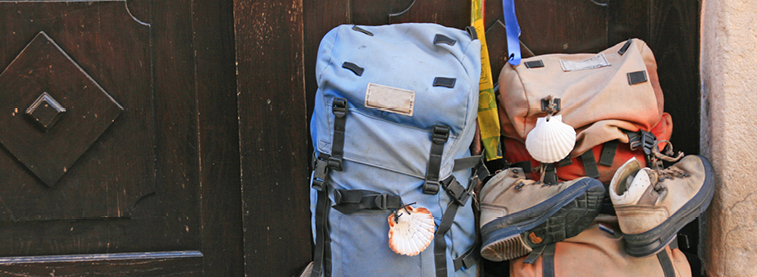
36 88
45 110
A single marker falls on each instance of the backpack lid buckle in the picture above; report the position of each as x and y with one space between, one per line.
339 107
441 134
431 187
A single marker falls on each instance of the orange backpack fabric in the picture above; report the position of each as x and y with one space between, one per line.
595 252
515 151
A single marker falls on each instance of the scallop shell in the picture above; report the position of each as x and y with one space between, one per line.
411 230
550 141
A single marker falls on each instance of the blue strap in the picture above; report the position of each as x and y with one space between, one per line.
513 31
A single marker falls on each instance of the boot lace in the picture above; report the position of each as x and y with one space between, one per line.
668 174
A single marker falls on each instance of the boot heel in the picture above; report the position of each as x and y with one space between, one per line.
506 249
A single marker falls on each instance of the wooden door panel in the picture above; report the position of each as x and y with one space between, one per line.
175 263
71 170
117 172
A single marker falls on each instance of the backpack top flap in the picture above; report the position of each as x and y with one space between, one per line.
399 82
600 94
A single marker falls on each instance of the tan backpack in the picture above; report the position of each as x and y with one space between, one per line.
612 99
598 251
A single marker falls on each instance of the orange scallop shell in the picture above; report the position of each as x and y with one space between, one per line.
411 230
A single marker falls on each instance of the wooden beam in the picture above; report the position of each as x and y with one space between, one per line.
273 136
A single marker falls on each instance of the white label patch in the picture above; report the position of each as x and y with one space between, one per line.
390 99
590 63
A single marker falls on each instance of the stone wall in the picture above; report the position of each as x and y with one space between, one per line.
729 135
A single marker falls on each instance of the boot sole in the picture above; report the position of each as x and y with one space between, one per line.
656 239
562 216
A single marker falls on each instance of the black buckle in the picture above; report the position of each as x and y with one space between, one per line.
431 187
339 107
381 201
335 163
480 172
319 174
551 105
441 134
456 191
648 141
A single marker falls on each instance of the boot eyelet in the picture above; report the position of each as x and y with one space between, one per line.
519 186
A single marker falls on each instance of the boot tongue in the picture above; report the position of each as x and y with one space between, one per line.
636 188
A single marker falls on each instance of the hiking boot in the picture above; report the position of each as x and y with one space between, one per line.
519 215
653 205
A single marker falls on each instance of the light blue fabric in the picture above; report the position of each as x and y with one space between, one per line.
389 152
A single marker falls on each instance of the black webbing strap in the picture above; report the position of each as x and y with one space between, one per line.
472 32
469 258
459 196
666 263
565 162
440 244
608 152
525 165
467 162
439 38
364 31
535 253
673 244
324 163
625 47
550 174
339 108
476 162
350 201
590 164
548 261
438 139
322 255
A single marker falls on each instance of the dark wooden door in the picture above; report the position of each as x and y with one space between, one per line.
119 139
172 138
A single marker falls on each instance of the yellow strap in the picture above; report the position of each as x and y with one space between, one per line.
488 117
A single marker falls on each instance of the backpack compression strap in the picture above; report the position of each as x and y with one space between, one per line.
439 137
323 164
349 201
548 259
459 195
636 140
322 255
440 244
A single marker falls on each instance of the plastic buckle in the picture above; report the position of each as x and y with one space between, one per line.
550 105
456 191
381 201
431 187
441 134
318 184
335 163
648 141
339 107
319 174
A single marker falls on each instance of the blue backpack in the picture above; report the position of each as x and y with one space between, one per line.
394 118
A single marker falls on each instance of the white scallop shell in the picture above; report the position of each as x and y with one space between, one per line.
550 141
411 230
